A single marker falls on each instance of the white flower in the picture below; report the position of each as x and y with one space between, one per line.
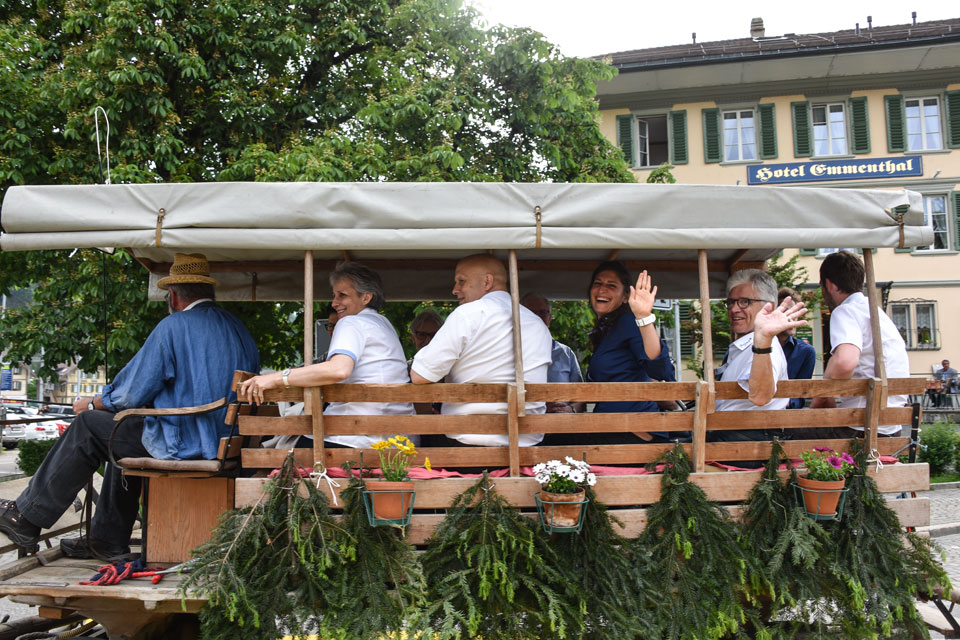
591 479
539 468
577 476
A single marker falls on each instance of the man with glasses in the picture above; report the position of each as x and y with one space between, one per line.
424 326
564 365
755 358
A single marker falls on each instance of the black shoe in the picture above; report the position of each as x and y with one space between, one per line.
84 547
21 531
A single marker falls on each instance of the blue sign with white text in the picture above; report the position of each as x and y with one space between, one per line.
826 170
6 379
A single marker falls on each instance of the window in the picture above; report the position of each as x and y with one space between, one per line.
916 320
825 252
739 136
16 385
935 216
73 387
651 140
923 123
829 130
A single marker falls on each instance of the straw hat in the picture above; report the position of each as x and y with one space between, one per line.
188 268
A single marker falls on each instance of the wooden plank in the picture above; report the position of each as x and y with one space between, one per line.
876 399
799 389
906 386
610 391
181 513
308 309
700 420
318 426
787 418
513 428
465 392
520 408
606 422
793 448
379 424
631 454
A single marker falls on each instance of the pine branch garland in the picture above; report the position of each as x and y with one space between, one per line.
698 565
492 574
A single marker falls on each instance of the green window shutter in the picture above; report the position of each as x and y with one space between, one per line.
859 125
686 335
956 220
808 252
625 137
802 137
953 119
768 131
712 144
896 126
678 142
898 210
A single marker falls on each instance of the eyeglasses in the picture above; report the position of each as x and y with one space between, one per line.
742 303
423 335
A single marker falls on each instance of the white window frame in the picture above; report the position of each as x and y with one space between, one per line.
928 219
913 338
738 115
824 252
641 140
826 106
923 123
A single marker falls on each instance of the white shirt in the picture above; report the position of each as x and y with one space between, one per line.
737 367
850 324
372 342
475 344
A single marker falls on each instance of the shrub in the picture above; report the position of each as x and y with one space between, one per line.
940 445
32 453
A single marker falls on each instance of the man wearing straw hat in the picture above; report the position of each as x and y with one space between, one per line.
188 360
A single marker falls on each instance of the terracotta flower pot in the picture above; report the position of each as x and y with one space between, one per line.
817 503
556 510
391 500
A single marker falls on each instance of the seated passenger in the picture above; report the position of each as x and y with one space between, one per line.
755 360
801 356
422 329
364 348
626 348
564 365
475 344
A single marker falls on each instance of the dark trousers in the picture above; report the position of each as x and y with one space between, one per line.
68 467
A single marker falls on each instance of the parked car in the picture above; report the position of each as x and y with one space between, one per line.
13 433
42 430
59 411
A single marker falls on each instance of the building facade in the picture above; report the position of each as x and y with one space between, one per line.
877 107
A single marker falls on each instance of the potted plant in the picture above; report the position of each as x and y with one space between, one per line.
390 500
823 483
562 497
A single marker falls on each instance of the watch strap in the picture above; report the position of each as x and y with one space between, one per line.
761 351
642 322
284 376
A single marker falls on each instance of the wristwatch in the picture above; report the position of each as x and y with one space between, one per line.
760 350
90 405
284 375
642 322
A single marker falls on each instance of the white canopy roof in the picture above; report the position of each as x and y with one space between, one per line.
414 232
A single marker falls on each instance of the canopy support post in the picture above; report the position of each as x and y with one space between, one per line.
706 389
877 396
313 398
516 395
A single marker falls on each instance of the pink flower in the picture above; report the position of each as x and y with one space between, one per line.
835 462
822 449
846 457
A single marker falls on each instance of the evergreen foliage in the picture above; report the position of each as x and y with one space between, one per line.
699 568
794 548
280 562
614 576
491 573
883 568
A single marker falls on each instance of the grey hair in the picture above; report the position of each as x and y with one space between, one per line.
761 281
534 295
427 315
364 280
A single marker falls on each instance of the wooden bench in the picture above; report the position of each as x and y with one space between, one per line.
629 494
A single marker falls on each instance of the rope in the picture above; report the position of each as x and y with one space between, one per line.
96 124
322 475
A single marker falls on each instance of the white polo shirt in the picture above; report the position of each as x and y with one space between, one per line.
850 324
372 342
475 344
737 367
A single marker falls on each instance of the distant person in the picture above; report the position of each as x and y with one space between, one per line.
851 336
801 356
564 365
423 327
187 360
365 348
948 384
755 360
475 344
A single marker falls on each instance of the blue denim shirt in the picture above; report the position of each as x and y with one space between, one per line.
564 366
801 357
188 360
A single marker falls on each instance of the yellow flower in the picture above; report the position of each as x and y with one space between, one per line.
396 443
383 444
426 464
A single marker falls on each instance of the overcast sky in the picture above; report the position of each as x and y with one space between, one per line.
593 27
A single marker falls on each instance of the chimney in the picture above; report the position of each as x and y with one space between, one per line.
694 34
756 28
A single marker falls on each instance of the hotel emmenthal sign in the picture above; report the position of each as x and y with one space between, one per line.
826 170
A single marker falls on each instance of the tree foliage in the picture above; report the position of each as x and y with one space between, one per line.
345 90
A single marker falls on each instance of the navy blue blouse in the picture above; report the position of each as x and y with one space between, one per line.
620 357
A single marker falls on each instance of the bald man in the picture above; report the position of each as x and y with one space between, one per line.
475 344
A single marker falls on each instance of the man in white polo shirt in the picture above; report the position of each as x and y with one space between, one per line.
755 360
851 338
475 344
